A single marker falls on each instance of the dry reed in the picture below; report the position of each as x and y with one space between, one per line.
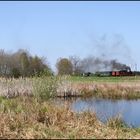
46 87
25 117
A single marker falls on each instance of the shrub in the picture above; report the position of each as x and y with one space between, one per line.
45 87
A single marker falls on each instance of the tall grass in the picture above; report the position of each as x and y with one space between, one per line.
25 117
106 90
43 87
116 122
54 86
14 87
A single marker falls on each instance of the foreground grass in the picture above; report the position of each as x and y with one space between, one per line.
28 117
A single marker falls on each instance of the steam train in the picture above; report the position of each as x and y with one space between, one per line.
114 73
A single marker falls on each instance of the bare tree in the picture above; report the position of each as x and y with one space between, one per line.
75 60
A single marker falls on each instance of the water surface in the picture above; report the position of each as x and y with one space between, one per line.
106 108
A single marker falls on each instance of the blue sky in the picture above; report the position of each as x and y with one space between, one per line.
62 29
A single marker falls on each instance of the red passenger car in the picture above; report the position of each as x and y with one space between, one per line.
122 73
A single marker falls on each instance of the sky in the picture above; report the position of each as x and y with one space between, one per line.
55 29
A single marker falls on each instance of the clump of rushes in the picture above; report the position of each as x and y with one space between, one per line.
116 122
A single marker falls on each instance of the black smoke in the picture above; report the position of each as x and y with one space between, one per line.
93 64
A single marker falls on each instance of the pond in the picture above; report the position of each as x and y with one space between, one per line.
129 110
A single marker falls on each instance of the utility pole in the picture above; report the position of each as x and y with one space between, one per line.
135 67
135 72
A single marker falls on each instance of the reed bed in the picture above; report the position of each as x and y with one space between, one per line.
40 87
27 117
14 87
105 90
47 87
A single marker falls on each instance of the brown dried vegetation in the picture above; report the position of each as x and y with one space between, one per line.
27 117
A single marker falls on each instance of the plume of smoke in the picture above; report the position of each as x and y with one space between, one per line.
112 47
94 64
110 53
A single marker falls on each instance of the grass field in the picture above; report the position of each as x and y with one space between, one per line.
105 79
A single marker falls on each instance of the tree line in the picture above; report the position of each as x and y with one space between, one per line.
22 63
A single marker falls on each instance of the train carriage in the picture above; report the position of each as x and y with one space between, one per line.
116 73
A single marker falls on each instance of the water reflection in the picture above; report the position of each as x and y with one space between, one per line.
105 108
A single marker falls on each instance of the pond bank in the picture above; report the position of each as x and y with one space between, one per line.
105 109
26 117
104 90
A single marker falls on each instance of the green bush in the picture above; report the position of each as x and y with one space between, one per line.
16 72
45 87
